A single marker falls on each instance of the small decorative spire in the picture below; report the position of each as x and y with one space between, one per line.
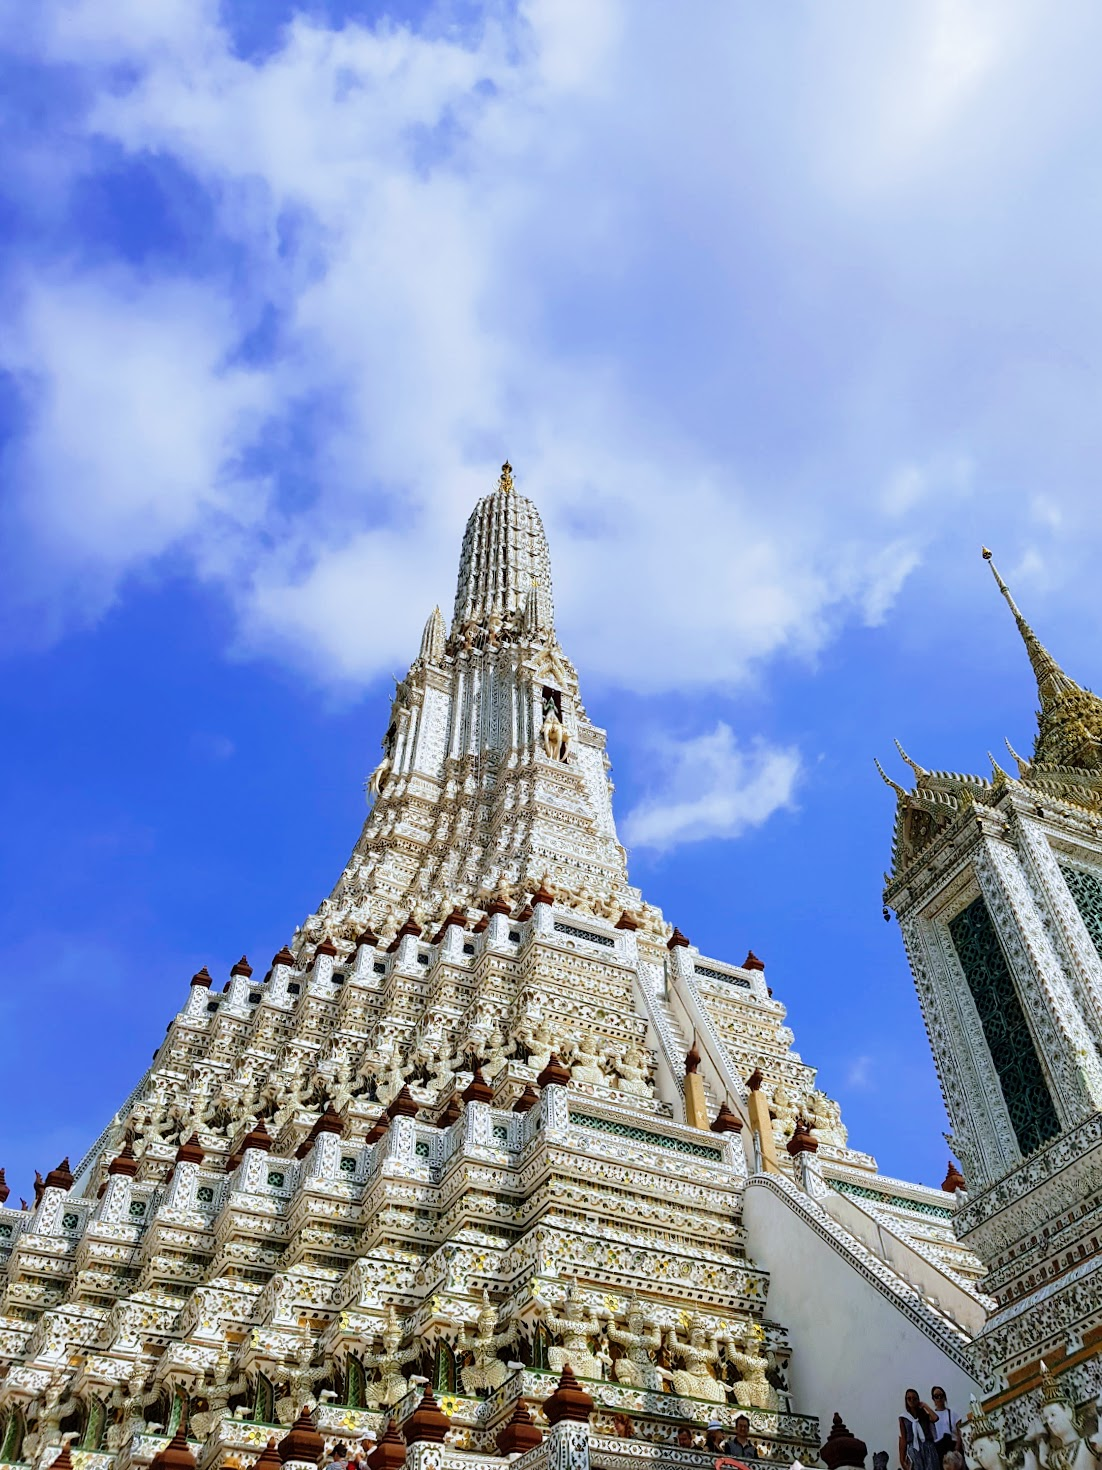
451 1113
978 1422
378 1129
434 638
242 967
202 977
428 1424
302 1441
268 1458
527 1100
505 482
284 957
692 1059
403 1105
677 940
755 1079
953 1180
726 1121
554 1074
520 1434
478 1089
329 1122
124 1162
4 1190
64 1461
257 1137
390 1452
751 962
569 1402
59 1178
803 1141
174 1456
842 1448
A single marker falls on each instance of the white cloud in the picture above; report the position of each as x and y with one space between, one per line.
708 786
860 1075
710 311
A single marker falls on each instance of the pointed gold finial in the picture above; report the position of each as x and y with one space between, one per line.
505 483
1000 777
920 771
887 780
1052 683
1022 763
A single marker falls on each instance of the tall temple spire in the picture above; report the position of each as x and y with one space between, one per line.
490 766
1069 724
504 557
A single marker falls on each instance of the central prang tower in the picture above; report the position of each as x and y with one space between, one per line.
486 1115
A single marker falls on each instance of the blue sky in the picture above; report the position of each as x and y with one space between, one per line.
778 312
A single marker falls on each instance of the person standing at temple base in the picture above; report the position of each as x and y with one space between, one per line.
917 1450
946 1425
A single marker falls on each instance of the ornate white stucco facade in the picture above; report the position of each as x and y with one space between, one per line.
997 884
460 1130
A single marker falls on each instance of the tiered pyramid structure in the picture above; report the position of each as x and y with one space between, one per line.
487 1124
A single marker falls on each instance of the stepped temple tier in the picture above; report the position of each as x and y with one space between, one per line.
491 1162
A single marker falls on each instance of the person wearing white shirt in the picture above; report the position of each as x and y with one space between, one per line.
946 1424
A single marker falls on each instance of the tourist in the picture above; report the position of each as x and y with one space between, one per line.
338 1457
946 1425
740 1445
685 1438
917 1450
622 1426
952 1460
714 1441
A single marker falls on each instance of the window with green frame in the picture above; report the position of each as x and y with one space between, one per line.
1021 1077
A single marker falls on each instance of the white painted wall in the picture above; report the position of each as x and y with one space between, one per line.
853 1350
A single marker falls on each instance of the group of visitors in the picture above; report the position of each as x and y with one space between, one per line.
737 1446
929 1437
340 1459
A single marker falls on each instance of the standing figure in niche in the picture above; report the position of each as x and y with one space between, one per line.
552 734
538 1044
487 1372
218 1389
299 1375
390 1384
698 1351
576 1327
495 1059
640 1339
586 1062
753 1390
632 1068
393 1081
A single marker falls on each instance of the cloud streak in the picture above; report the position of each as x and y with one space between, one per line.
708 786
747 334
